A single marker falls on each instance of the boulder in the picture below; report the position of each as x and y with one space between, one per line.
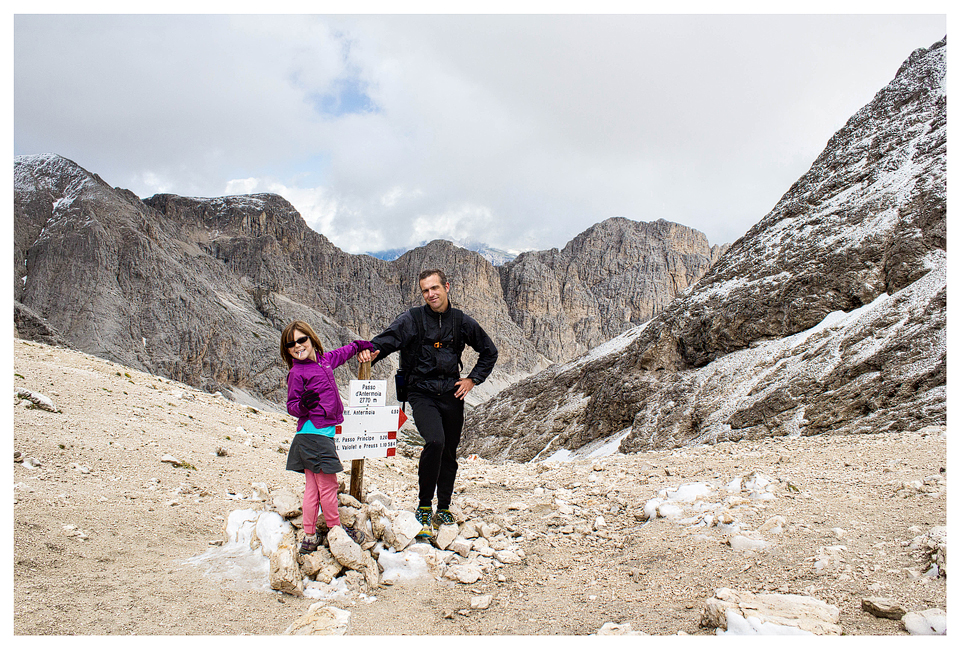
743 543
612 628
41 401
932 621
320 565
883 607
461 546
321 619
287 504
405 528
506 556
351 555
805 613
463 573
285 573
446 535
481 602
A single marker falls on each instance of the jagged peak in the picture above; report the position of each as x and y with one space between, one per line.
28 168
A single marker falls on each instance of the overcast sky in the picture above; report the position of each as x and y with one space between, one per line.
518 131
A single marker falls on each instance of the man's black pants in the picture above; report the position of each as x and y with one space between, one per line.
439 419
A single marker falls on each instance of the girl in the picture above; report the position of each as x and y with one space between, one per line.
313 398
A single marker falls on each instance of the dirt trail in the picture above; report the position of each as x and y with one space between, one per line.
120 570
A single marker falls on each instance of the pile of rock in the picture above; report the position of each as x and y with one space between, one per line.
464 551
931 548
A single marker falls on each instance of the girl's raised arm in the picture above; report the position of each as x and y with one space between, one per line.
341 355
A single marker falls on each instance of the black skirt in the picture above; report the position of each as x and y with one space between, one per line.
318 453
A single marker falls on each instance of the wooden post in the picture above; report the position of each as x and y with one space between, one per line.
356 468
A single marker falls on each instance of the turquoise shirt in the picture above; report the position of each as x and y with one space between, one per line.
310 429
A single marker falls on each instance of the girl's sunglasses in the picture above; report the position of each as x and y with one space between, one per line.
299 341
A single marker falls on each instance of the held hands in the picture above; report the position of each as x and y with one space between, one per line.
365 355
309 400
464 386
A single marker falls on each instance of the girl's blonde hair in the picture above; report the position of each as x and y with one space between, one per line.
287 336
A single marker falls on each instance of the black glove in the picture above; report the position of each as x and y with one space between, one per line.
309 400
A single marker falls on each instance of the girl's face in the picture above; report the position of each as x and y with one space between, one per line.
303 350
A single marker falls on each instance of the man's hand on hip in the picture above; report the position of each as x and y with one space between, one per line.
464 386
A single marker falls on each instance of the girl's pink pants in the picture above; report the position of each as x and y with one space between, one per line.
321 491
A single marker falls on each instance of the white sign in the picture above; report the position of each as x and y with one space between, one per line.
369 432
367 393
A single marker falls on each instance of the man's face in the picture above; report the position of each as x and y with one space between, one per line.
435 293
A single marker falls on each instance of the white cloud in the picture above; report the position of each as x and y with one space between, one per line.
463 222
241 186
520 130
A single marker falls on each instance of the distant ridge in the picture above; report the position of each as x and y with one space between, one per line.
198 289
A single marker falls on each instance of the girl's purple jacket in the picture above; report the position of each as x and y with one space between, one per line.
308 375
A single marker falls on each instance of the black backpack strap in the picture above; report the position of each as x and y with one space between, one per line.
408 357
411 353
457 342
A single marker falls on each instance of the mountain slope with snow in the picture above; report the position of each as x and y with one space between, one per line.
760 346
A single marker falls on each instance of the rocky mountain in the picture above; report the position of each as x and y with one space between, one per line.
828 316
571 300
197 289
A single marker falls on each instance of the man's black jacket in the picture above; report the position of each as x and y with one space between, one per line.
437 368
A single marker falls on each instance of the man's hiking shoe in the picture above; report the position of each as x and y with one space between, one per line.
357 535
424 514
443 517
309 544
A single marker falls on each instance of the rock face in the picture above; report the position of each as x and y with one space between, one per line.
198 289
615 275
828 316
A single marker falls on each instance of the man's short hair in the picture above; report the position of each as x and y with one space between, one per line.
433 271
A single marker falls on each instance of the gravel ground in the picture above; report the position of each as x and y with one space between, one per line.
102 526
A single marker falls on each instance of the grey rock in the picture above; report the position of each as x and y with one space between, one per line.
883 607
612 628
36 399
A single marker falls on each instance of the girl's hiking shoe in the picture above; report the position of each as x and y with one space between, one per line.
356 535
309 544
443 517
424 514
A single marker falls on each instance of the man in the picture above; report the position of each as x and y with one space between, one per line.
436 391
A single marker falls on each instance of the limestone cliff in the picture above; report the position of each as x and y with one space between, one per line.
615 275
197 289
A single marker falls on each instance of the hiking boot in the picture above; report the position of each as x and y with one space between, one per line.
443 517
423 515
309 544
356 535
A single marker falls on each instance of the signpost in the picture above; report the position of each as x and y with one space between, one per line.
369 427
369 432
